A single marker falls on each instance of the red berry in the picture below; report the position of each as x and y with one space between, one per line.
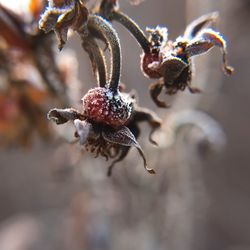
101 105
146 60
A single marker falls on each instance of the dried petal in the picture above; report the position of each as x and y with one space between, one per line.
83 130
124 137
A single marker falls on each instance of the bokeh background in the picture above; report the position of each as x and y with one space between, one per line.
54 196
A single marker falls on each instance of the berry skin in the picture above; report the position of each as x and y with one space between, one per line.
146 60
101 105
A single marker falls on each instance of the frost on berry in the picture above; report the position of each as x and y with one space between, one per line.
101 105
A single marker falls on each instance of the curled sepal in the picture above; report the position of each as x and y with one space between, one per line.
83 129
124 137
200 23
153 120
155 90
60 116
206 40
61 17
123 154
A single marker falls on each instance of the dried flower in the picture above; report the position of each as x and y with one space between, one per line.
171 61
62 15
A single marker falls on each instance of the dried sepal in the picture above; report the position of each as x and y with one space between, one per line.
60 116
171 68
123 154
155 90
124 137
147 115
177 75
206 40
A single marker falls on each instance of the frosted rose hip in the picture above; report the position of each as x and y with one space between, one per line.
103 106
146 60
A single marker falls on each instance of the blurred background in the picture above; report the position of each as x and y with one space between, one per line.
54 196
